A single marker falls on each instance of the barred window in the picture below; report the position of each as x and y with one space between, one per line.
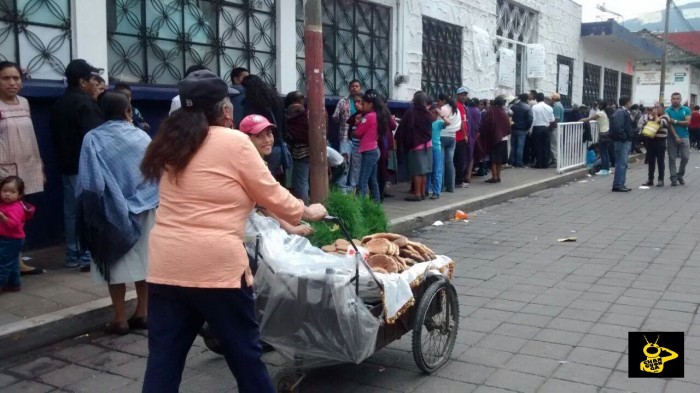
36 35
591 84
516 26
356 45
626 85
569 62
610 85
442 57
154 41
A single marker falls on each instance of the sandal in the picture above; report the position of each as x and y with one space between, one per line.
413 198
491 181
34 272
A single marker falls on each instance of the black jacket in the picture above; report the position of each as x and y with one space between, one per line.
72 116
522 116
621 129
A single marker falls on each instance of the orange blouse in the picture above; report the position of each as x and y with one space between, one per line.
197 240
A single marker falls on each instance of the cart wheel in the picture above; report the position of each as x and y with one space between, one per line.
210 341
285 382
435 326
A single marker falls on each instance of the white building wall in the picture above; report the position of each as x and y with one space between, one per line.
648 94
89 32
558 29
604 57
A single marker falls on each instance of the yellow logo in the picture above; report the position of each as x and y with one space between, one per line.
654 362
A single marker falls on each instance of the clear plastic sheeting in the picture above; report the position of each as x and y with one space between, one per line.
306 300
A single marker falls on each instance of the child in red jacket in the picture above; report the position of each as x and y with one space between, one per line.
13 214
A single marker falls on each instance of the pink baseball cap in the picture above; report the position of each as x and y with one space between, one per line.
254 124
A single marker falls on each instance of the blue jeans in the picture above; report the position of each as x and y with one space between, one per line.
622 151
448 154
354 171
175 316
433 182
9 261
518 146
69 204
300 179
368 174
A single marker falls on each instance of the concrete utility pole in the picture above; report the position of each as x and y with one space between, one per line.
662 83
313 50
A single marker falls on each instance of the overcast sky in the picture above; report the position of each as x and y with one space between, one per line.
629 9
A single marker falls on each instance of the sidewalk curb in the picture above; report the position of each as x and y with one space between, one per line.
32 333
446 212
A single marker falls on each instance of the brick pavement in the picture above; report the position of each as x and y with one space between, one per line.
535 315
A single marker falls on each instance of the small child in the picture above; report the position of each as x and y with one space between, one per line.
593 159
13 214
138 119
434 179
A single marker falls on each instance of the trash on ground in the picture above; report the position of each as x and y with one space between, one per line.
563 361
460 215
643 187
567 239
583 181
26 258
438 223
573 231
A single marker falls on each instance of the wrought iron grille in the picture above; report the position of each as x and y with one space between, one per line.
591 84
154 41
516 22
566 98
356 45
36 35
442 57
626 85
610 85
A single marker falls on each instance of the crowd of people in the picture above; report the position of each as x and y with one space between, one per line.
171 211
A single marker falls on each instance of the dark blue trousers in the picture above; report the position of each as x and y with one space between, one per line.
175 316
9 261
540 139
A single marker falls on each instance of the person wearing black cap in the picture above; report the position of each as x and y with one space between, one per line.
175 102
210 177
72 116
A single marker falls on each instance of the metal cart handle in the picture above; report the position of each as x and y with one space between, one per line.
358 256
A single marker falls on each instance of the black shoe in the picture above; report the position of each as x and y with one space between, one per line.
649 183
674 183
85 269
660 183
681 181
139 323
621 189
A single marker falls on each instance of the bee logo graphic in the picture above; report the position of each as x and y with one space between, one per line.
654 362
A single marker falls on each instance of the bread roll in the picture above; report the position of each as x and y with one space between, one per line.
383 261
378 246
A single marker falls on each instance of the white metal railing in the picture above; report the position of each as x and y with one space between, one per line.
571 149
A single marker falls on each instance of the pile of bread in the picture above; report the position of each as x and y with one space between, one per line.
388 252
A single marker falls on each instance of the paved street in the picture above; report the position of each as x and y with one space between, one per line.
535 314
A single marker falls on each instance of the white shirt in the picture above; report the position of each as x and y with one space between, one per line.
542 115
334 158
455 121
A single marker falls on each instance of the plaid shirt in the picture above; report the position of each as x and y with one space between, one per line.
342 114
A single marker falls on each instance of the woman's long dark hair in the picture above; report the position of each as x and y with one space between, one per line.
450 101
383 114
179 137
259 94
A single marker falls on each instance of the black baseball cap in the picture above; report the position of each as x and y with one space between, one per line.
80 69
201 89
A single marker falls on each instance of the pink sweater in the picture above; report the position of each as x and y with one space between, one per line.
197 240
367 132
17 214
